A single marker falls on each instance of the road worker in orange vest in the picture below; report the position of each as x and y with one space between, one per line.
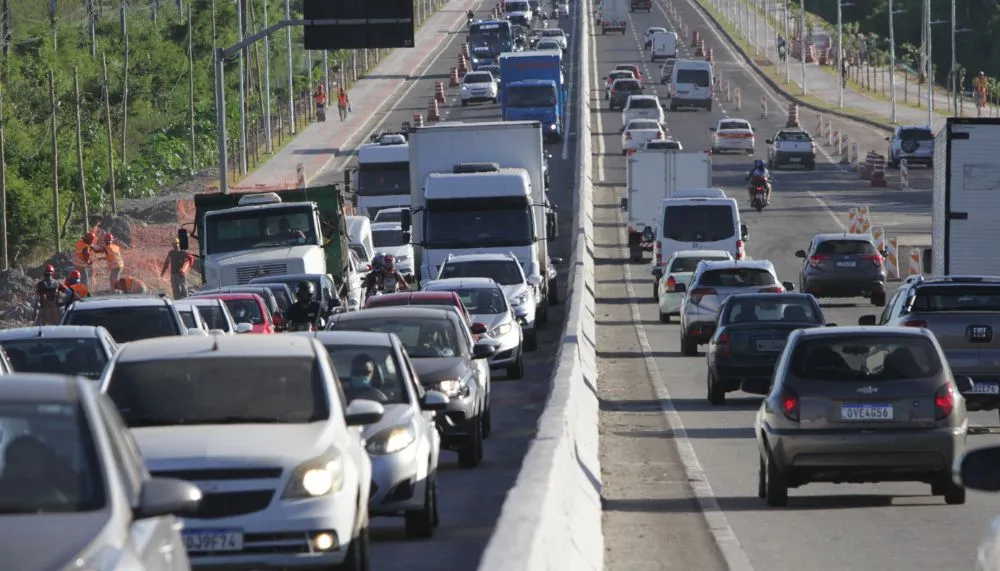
83 256
320 98
130 285
178 262
77 289
343 103
113 256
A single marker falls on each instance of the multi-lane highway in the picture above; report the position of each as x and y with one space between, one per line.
679 474
470 500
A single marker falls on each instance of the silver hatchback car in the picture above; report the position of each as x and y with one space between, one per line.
713 282
858 405
915 143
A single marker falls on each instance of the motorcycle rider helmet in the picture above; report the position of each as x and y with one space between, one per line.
758 164
49 271
305 292
378 262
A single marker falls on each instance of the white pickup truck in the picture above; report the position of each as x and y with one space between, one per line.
791 147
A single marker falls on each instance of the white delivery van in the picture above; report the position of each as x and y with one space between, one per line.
664 46
699 223
359 232
691 84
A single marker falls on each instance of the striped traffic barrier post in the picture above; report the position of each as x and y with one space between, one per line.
913 267
763 107
904 174
892 260
845 149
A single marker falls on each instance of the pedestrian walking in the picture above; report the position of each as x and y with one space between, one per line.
320 97
343 104
48 298
178 263
83 256
113 257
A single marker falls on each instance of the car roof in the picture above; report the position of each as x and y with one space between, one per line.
845 236
412 295
623 71
208 346
775 297
199 301
40 387
866 330
423 311
52 332
460 283
350 338
234 296
627 66
481 258
700 253
376 226
644 96
104 302
729 119
729 264
922 127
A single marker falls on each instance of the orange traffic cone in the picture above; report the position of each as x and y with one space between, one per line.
418 120
453 77
432 111
439 91
462 65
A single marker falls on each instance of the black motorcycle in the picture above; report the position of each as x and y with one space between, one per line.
759 200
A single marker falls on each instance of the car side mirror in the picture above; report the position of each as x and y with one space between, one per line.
657 273
534 280
183 238
680 288
167 496
623 204
867 320
406 236
965 384
434 400
551 225
768 141
405 220
800 253
789 286
362 412
478 328
711 129
244 327
978 469
483 351
197 332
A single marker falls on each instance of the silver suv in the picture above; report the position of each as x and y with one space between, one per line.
713 282
129 317
915 143
963 313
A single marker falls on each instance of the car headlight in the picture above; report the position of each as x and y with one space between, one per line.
391 440
500 330
320 476
454 388
553 127
402 258
465 87
520 299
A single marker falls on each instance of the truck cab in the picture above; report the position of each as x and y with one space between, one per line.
534 89
382 178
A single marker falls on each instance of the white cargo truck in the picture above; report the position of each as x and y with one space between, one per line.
613 15
382 178
653 175
966 200
478 188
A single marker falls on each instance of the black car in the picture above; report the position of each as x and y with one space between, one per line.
749 338
843 265
327 293
446 359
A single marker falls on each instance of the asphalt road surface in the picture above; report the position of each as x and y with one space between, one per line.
679 472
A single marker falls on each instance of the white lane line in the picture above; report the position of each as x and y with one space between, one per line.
575 29
729 545
826 207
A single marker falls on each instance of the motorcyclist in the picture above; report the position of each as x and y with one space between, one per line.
759 175
306 313
384 276
470 15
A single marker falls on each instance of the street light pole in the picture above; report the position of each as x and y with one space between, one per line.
892 61
788 63
840 49
802 45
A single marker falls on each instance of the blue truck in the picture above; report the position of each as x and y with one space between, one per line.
532 88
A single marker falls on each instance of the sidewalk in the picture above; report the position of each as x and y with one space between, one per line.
822 84
318 145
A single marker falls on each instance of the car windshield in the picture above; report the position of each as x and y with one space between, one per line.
483 300
127 324
478 78
221 390
547 45
696 77
793 137
387 238
865 358
643 126
845 247
736 277
387 215
504 272
689 264
383 179
255 229
626 85
628 67
50 462
370 373
698 223
916 135
734 126
553 33
969 298
776 309
214 317
531 96
423 338
621 74
187 317
663 144
245 311
85 356
642 103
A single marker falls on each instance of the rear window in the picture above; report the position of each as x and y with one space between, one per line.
865 358
916 135
622 74
794 136
957 298
734 126
478 78
686 264
214 317
628 67
643 125
245 311
774 309
626 85
736 277
187 317
551 33
698 223
68 356
846 247
127 324
643 103
698 77
661 144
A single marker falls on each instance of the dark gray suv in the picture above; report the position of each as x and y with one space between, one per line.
963 313
843 265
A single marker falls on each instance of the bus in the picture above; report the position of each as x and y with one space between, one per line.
488 39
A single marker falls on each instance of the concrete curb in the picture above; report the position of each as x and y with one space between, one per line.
551 519
778 88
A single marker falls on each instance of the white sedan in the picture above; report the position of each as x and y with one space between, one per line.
563 9
642 107
733 135
638 131
678 270
556 35
478 86
548 44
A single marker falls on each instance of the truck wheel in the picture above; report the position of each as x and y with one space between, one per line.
636 254
553 292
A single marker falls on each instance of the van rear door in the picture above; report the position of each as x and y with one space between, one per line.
699 224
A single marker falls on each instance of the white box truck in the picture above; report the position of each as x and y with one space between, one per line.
966 200
613 15
653 175
477 188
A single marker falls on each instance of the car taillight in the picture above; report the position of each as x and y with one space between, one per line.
772 289
944 402
914 323
816 259
739 249
628 134
790 404
671 283
659 134
659 249
722 346
699 292
875 259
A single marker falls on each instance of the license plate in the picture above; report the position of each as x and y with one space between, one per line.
206 540
795 160
770 345
847 264
866 412
985 388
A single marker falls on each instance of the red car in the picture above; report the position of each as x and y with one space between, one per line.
247 308
446 298
633 68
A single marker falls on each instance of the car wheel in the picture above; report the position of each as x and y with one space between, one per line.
656 291
419 524
465 103
878 298
516 371
471 454
709 108
494 100
776 485
531 340
688 347
554 292
716 394
358 558
487 420
664 317
761 478
954 494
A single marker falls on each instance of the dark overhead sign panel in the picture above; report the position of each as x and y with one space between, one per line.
358 24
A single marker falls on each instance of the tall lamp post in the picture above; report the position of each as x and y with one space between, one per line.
954 59
892 61
930 65
840 49
802 45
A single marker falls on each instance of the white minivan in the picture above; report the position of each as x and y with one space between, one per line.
359 232
699 223
664 46
691 84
